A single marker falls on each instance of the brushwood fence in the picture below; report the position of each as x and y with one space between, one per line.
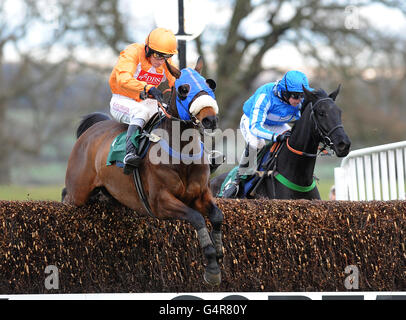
269 246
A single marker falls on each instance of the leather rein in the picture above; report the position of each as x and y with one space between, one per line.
193 119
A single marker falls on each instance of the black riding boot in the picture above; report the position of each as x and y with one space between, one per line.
232 189
246 167
132 159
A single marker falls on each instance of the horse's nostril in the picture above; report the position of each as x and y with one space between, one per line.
344 146
206 122
209 122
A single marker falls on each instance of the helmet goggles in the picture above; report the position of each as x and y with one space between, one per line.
296 95
159 55
291 94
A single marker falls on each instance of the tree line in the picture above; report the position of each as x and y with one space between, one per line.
47 87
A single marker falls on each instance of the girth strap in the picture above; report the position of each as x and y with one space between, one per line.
140 190
293 186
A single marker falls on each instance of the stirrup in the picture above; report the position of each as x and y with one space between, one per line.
131 164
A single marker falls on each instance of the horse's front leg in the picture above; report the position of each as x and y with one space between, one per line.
206 205
216 218
171 207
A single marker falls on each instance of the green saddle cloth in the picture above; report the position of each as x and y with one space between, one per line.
139 139
118 147
232 175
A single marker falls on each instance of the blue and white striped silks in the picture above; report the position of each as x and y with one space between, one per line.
265 109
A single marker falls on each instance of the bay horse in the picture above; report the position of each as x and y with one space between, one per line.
173 190
293 174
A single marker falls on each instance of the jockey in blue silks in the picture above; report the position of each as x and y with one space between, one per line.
265 119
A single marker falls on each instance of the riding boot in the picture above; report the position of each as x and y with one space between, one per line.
232 189
132 158
247 167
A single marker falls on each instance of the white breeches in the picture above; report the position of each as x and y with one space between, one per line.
254 141
127 110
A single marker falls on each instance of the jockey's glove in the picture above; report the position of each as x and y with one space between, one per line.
283 136
156 94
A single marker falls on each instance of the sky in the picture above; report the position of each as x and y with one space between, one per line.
201 16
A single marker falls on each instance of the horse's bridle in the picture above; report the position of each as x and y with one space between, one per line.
324 135
326 140
193 120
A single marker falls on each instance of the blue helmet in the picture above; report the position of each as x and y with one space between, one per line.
291 84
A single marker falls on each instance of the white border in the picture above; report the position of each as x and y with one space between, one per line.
202 295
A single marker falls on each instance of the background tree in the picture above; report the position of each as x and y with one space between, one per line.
333 38
63 52
47 81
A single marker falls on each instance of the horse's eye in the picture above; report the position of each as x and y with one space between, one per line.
321 113
183 91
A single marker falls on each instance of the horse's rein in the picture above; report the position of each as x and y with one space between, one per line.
300 153
194 120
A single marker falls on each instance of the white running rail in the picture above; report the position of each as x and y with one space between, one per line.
376 173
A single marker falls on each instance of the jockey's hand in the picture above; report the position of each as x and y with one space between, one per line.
283 136
156 94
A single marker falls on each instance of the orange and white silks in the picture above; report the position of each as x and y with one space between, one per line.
133 72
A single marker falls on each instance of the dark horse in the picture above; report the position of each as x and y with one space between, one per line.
173 190
320 123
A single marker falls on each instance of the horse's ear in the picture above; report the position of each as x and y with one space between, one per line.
309 96
183 91
212 84
199 65
334 94
172 70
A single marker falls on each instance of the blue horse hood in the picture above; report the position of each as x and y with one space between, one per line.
197 84
196 81
292 81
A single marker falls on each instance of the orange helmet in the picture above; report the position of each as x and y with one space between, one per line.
162 40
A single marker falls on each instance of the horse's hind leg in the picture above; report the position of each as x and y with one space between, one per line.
63 194
78 188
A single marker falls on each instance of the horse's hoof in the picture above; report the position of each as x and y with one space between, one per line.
213 279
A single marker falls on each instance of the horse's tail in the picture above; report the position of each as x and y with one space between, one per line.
89 120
